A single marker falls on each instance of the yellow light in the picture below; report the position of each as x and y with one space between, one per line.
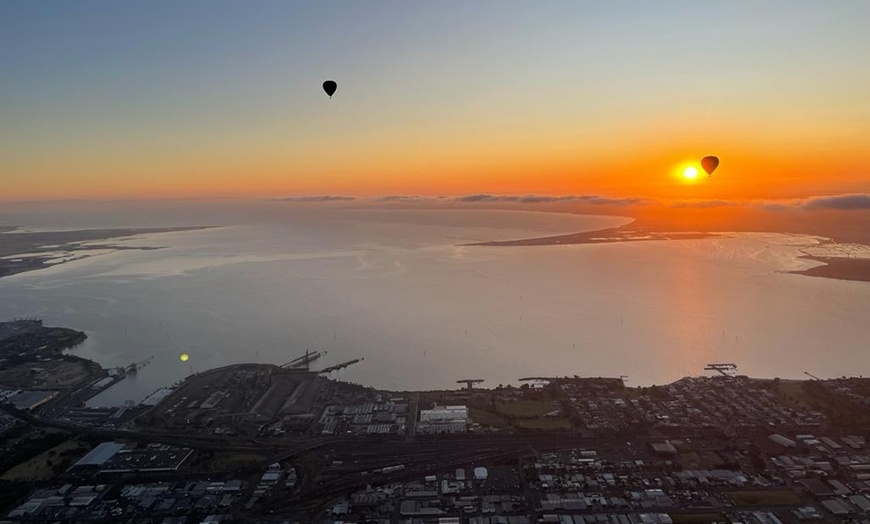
184 357
690 172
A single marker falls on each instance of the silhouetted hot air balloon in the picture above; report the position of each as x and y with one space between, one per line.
710 163
330 86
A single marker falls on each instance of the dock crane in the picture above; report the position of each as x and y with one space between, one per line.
136 366
470 382
343 365
727 370
304 361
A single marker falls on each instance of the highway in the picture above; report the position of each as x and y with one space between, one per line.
192 440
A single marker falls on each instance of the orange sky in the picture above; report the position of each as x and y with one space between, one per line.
632 162
562 99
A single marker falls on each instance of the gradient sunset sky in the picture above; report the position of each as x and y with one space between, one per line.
160 99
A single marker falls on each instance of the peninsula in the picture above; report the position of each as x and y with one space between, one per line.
22 251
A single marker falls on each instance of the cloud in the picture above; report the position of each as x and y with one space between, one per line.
477 198
844 202
550 199
703 204
851 202
777 207
401 198
317 198
605 201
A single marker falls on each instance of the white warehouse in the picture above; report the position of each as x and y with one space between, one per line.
445 415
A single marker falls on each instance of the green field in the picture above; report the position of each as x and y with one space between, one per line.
486 418
542 423
37 468
777 497
525 408
793 391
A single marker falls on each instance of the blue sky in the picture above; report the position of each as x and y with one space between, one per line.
170 83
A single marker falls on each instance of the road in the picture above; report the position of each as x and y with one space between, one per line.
411 419
212 442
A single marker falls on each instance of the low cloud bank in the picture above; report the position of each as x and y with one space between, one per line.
478 198
841 202
844 202
317 198
549 199
405 198
703 204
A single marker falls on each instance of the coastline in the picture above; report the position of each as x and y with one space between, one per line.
21 252
25 341
49 345
839 268
601 236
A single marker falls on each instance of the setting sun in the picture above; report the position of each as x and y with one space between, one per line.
690 172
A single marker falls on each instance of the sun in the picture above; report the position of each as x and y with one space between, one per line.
687 172
690 172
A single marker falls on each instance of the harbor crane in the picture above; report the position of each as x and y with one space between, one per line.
470 382
304 361
136 366
343 365
727 370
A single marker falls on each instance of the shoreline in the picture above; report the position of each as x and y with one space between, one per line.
28 343
62 340
610 235
22 252
835 268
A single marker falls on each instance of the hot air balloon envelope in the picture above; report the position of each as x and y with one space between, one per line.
330 86
184 357
710 163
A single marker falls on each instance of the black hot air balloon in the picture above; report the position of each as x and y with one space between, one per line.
330 86
710 163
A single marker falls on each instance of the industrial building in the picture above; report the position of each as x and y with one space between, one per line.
782 441
445 415
98 456
663 448
116 457
27 400
443 419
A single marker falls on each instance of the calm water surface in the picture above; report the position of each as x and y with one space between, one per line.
396 288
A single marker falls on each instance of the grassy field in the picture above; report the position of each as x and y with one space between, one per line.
37 468
542 423
793 391
526 408
779 497
487 419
